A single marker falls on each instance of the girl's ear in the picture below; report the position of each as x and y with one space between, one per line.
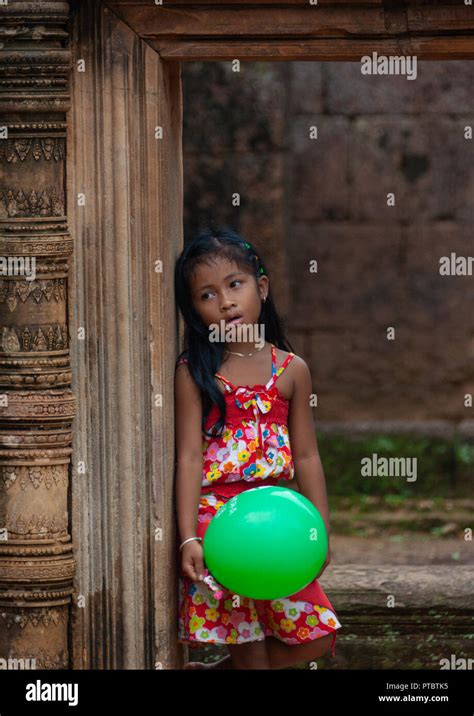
263 285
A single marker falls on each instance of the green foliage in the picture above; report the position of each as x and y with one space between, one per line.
444 467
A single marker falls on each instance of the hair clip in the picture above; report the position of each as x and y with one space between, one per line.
247 246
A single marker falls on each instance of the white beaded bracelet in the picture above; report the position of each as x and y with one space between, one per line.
189 540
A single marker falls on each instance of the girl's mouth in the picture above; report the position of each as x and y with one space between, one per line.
234 321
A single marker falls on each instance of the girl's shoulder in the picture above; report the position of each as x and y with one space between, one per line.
182 358
287 358
295 367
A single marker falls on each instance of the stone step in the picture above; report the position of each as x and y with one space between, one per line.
401 617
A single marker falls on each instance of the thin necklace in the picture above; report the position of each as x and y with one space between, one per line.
244 355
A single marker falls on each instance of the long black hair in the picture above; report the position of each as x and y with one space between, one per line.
204 356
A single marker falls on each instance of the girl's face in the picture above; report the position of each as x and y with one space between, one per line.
222 291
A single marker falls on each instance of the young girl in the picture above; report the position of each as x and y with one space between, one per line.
243 419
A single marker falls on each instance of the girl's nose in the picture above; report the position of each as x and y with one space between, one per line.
227 304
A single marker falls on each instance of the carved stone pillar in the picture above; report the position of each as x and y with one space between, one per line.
36 402
125 162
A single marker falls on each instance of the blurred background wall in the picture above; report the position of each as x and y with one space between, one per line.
325 199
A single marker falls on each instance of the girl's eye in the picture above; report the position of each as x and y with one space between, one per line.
208 293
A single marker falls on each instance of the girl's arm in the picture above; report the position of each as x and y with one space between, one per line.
189 463
309 472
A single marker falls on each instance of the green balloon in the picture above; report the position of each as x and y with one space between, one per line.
266 543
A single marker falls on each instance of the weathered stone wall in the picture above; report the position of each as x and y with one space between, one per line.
325 199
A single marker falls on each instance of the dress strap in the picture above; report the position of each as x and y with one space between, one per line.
274 361
276 372
228 385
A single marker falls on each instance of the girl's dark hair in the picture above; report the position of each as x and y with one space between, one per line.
204 356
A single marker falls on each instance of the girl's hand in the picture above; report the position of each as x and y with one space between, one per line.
327 561
192 560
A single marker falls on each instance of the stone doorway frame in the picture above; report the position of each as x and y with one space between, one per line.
92 102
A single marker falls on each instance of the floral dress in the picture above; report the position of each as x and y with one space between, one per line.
254 449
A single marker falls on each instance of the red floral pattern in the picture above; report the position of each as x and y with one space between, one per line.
255 444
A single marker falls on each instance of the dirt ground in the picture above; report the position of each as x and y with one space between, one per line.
410 548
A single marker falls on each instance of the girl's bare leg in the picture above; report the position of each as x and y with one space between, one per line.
252 655
269 654
281 655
